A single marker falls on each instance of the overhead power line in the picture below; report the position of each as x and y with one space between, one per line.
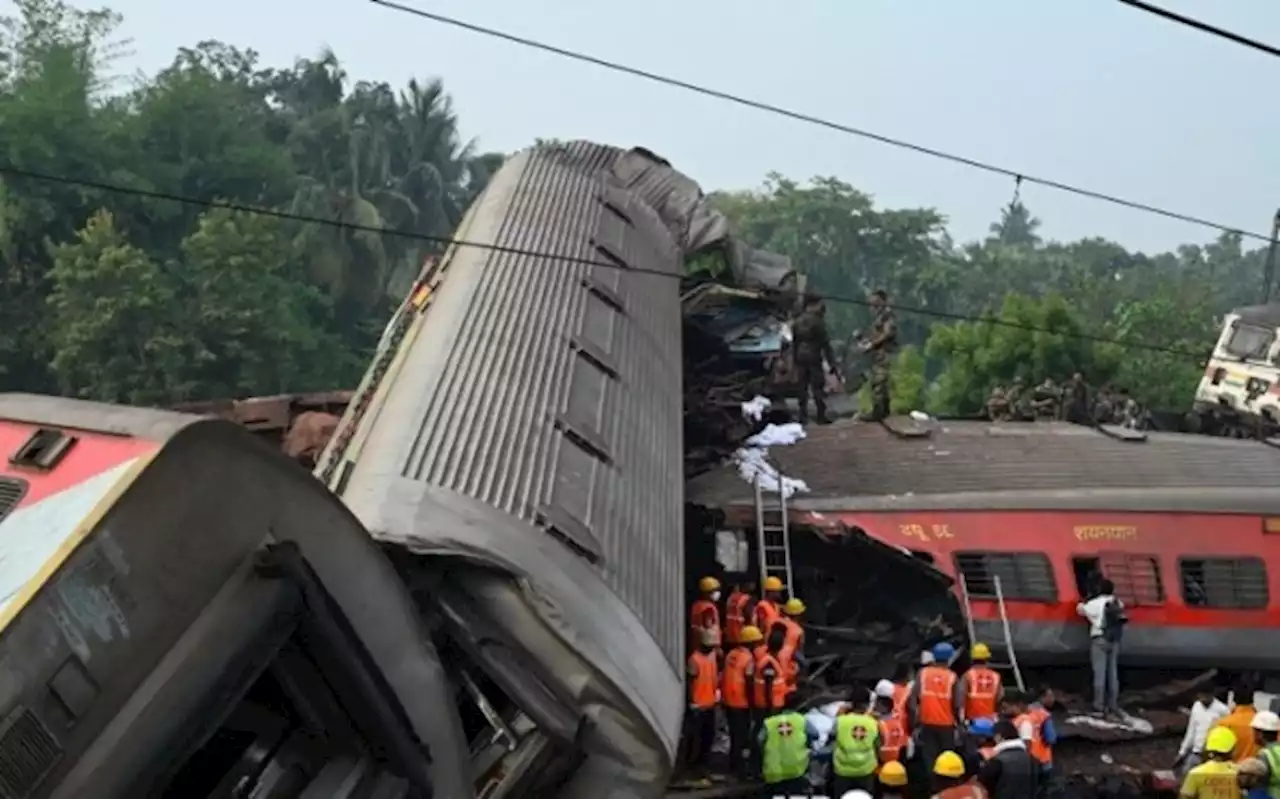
560 258
815 120
1191 22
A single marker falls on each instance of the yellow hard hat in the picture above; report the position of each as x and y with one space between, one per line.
772 584
893 774
980 651
1220 741
793 607
949 764
750 634
708 584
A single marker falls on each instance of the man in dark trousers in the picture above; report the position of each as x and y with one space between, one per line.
881 344
812 347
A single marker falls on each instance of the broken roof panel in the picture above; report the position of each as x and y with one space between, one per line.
977 464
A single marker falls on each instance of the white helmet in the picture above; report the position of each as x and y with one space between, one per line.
884 689
926 658
855 794
1266 721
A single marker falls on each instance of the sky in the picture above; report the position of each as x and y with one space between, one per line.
1087 92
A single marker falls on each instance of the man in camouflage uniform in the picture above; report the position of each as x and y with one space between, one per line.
1016 396
812 347
998 405
882 344
1045 399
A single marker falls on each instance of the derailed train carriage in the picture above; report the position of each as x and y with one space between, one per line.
204 618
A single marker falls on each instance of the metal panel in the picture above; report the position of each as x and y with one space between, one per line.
549 389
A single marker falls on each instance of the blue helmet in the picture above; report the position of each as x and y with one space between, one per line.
943 652
983 727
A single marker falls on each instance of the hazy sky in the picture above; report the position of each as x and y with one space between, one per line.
1088 92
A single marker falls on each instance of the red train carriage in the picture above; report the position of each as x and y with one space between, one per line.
1187 527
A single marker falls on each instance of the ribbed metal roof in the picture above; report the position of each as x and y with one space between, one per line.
977 464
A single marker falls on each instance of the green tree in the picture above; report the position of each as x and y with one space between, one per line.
110 311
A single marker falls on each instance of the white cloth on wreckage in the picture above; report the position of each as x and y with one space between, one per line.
753 459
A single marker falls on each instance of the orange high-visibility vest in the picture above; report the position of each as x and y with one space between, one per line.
893 737
735 615
981 692
703 680
1036 746
780 689
767 614
739 669
703 615
937 687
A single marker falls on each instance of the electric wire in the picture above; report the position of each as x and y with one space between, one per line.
1204 27
448 241
810 119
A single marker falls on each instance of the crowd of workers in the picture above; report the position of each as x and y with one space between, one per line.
1230 750
929 733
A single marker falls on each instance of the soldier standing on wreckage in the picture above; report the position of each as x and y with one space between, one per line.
882 343
812 347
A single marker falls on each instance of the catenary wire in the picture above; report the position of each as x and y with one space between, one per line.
1204 27
568 259
815 120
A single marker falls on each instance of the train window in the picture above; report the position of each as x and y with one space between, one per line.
1224 582
1026 576
1249 341
1136 577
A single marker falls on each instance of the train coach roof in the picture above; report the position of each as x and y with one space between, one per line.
147 423
1261 315
980 465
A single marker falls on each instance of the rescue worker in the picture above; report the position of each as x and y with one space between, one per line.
738 611
791 655
737 687
856 751
785 738
882 344
704 614
1240 722
950 780
812 347
893 728
1216 777
998 406
771 688
1035 728
1266 730
981 744
892 781
935 705
704 687
766 611
1011 772
981 685
1016 396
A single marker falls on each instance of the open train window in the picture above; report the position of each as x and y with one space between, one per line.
1136 577
1026 576
1239 583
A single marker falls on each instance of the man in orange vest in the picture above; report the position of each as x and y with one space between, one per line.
792 652
771 688
735 691
893 725
767 610
1035 728
704 614
981 685
704 690
738 611
935 705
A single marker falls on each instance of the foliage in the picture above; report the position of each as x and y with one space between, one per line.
149 300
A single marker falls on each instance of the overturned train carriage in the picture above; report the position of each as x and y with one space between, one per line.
517 444
185 612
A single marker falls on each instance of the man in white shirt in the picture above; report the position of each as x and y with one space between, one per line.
1206 712
1104 647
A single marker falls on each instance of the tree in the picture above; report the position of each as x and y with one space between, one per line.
111 344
